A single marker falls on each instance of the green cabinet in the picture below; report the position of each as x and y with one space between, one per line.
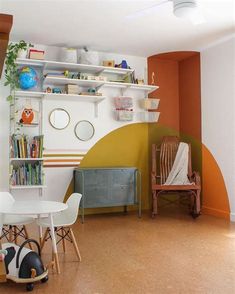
107 187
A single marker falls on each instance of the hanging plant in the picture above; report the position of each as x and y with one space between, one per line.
11 71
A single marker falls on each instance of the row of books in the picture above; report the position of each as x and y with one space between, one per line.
23 146
27 174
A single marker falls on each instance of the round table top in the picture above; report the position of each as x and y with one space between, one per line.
33 207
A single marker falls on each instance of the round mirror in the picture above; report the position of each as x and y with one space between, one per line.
84 130
59 118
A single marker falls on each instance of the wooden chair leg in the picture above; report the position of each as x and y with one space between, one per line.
154 195
44 238
27 237
198 202
75 244
63 240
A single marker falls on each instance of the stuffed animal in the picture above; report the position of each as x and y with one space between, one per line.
27 116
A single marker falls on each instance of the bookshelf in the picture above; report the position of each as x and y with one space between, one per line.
26 145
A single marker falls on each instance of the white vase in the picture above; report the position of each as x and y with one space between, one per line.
22 53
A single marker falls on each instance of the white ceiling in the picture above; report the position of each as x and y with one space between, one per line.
102 25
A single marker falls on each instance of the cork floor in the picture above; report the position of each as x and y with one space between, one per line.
122 254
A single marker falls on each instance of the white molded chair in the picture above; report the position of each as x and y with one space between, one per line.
13 225
62 223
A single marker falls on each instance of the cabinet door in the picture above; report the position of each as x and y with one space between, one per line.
123 187
96 188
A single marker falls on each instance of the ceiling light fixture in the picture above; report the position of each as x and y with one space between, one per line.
188 9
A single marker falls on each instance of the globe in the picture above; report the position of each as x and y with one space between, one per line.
27 78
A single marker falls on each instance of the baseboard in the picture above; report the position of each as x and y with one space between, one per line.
232 216
216 212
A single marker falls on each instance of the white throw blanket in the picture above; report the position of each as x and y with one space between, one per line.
179 172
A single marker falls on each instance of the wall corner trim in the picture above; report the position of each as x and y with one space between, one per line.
232 216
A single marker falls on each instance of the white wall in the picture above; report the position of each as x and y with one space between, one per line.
58 179
218 110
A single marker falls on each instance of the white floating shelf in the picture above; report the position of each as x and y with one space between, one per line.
26 159
95 84
61 66
28 94
18 187
66 81
44 95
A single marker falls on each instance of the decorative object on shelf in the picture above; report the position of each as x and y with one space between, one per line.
70 55
48 90
89 57
153 78
72 89
11 71
123 64
59 118
91 91
109 63
84 130
124 108
28 116
140 81
27 78
36 54
56 90
149 103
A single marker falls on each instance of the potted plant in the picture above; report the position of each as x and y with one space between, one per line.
11 72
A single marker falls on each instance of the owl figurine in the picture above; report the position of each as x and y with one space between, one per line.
27 116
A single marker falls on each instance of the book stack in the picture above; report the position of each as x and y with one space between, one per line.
72 89
27 174
24 147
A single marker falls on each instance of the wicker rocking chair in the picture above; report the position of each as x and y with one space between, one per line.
162 161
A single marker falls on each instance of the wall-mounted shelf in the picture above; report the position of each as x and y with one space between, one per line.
27 187
98 84
61 66
43 95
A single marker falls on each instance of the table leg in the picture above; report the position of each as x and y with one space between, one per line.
54 248
40 231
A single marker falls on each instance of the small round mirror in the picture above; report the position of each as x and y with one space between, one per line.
59 118
84 130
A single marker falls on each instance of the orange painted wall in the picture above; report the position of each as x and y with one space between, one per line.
166 75
190 96
215 201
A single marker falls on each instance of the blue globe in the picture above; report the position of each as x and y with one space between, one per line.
27 78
